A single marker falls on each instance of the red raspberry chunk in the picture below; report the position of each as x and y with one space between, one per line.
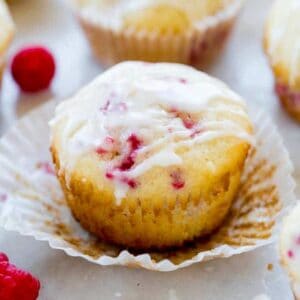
129 160
290 254
177 180
134 143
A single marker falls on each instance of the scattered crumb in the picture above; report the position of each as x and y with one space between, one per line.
270 267
138 284
118 294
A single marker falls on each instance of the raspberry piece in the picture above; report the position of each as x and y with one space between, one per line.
16 284
130 182
129 160
101 151
290 254
3 257
134 142
188 123
33 68
177 181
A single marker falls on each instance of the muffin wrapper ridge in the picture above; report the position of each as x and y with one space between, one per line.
198 47
32 203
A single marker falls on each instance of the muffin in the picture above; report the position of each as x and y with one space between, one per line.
281 45
189 32
7 32
150 155
290 248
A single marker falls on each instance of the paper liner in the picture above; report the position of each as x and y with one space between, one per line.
196 47
31 201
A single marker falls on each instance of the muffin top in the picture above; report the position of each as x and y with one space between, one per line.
139 115
290 246
282 40
150 15
6 27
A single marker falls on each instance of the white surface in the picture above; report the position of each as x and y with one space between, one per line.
244 67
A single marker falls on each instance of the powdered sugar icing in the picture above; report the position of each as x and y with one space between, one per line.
136 115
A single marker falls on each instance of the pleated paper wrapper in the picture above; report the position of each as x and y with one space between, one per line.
32 203
197 46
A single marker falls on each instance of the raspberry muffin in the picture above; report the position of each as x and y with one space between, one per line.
290 248
190 32
150 155
283 49
6 33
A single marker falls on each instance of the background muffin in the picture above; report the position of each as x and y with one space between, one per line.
283 48
190 32
150 155
290 248
6 33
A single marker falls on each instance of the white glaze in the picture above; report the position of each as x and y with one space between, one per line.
290 246
153 94
110 13
283 30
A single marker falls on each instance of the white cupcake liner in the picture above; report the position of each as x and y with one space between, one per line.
197 46
31 201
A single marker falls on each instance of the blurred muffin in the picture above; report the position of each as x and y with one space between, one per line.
6 33
283 49
190 32
150 155
290 248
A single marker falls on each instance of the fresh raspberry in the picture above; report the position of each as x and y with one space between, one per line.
3 257
16 284
33 68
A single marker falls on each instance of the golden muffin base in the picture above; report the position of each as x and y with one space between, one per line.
155 215
288 94
290 99
197 47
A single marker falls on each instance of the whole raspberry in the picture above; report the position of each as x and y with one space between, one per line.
3 257
16 284
33 68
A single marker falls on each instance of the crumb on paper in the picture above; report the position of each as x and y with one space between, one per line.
270 267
